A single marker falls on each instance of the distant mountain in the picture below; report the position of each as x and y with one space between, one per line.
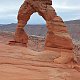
41 30
74 28
73 22
8 27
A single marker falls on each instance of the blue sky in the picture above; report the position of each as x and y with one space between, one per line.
67 9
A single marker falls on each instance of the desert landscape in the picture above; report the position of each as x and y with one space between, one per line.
18 62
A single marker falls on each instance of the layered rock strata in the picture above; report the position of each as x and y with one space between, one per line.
57 36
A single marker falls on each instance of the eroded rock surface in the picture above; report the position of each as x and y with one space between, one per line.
57 36
20 63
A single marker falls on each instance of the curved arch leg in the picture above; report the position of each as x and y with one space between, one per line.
57 35
24 14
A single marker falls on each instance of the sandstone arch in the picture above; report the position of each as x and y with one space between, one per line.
57 35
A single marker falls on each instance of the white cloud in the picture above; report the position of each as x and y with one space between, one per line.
66 4
67 9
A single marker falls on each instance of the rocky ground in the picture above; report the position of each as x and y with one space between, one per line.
21 63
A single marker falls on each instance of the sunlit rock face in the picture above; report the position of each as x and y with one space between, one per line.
49 58
57 35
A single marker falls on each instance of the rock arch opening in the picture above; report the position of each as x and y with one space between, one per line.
36 30
36 25
57 35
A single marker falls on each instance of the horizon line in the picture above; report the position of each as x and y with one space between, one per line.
35 23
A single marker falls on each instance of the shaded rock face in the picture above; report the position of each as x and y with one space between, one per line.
58 40
57 35
77 51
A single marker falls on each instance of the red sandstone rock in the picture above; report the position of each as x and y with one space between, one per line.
59 40
20 63
21 36
57 36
